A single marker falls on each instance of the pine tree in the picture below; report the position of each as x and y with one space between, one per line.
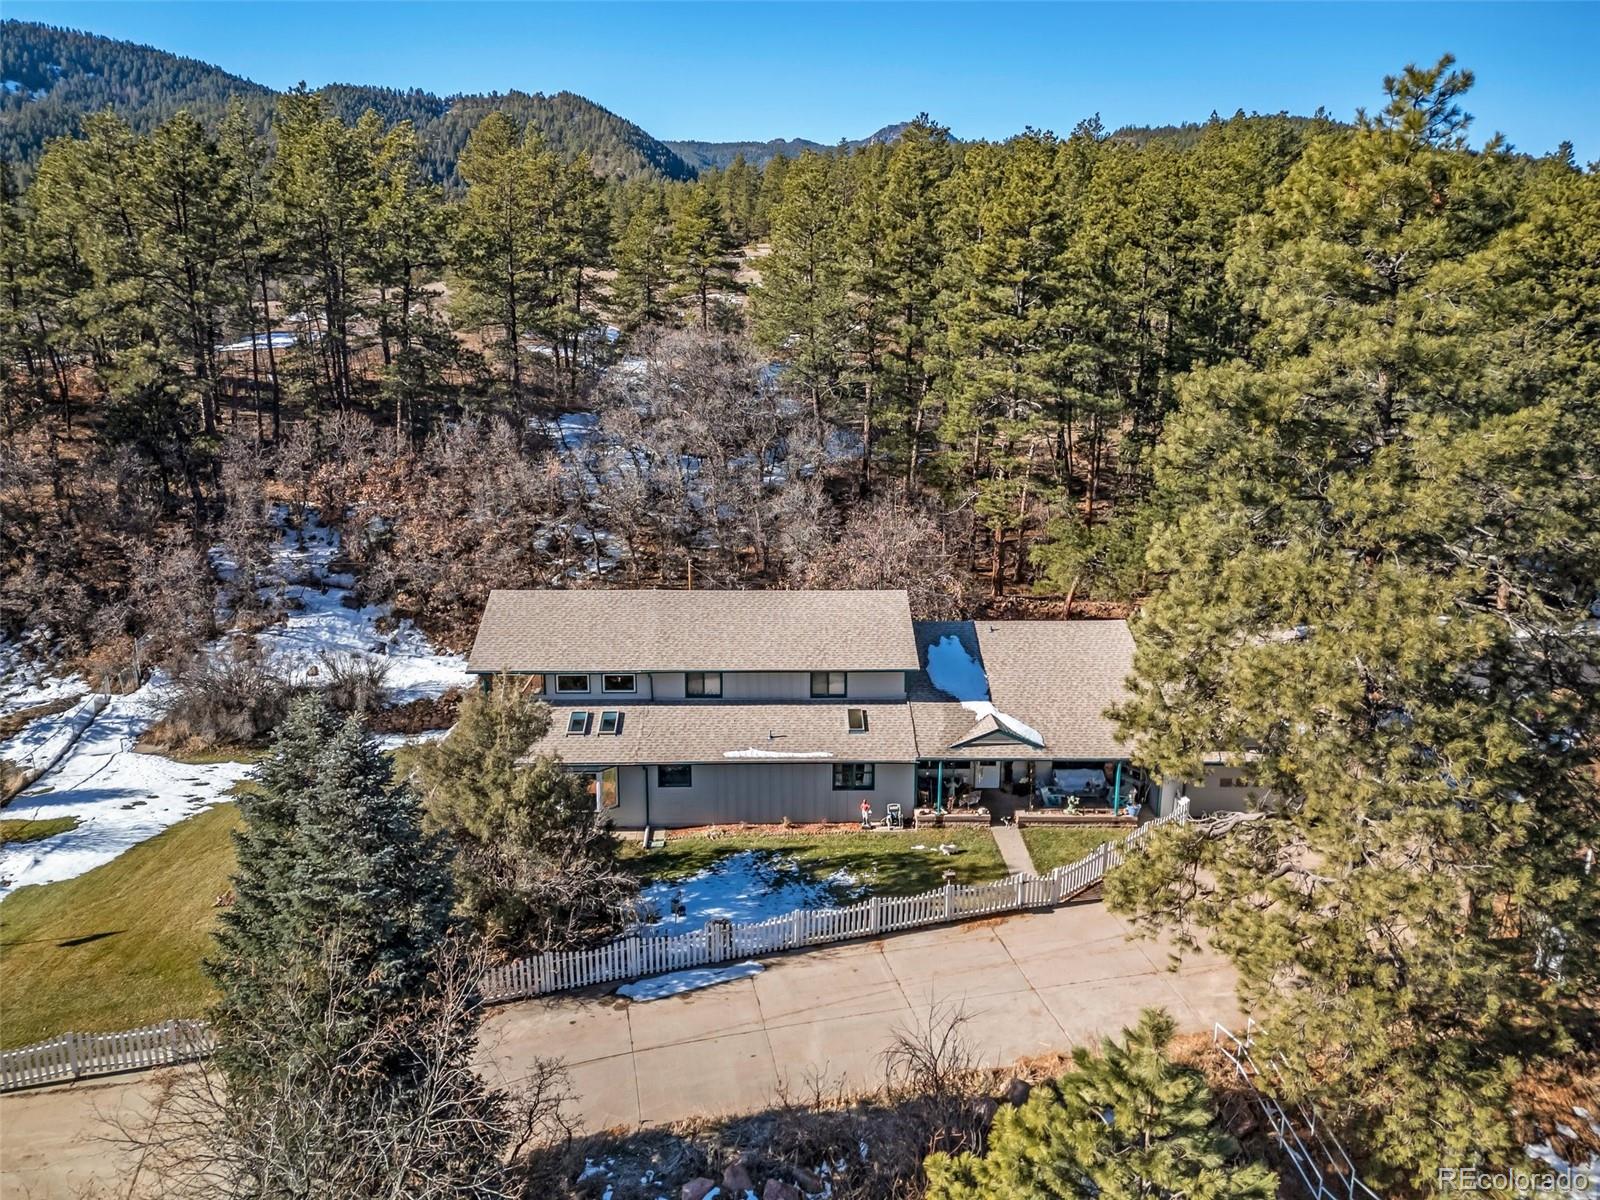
536 866
703 254
644 280
1127 1124
1381 556
801 310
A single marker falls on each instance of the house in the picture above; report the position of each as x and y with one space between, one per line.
701 707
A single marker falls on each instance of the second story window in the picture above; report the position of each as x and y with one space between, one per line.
617 683
572 683
702 683
857 718
827 683
577 721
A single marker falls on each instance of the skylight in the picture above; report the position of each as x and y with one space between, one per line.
610 721
578 721
858 720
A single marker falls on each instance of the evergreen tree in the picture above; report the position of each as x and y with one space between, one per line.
1127 1124
536 866
703 254
644 280
329 966
1381 561
801 310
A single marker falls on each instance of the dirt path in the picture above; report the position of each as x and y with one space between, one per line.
1030 984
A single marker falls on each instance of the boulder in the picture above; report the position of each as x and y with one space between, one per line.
777 1189
696 1189
736 1180
1016 1092
809 1181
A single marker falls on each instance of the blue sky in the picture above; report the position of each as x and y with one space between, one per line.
825 71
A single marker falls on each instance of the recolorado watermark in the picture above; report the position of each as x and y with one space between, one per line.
1517 1181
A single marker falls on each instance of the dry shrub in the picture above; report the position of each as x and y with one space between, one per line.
227 699
353 683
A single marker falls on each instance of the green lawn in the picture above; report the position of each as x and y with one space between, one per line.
32 831
881 863
119 946
1057 847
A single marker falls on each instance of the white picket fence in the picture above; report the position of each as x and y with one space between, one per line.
80 1055
77 1055
643 955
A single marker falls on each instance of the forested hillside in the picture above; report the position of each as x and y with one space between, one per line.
55 77
701 155
1314 402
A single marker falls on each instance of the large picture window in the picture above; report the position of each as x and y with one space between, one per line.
572 683
852 777
617 683
828 683
680 775
702 683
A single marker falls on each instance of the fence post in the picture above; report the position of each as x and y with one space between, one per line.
633 956
72 1054
874 917
1020 899
1104 852
797 927
949 900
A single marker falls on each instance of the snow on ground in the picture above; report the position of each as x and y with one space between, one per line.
121 797
952 670
753 752
748 886
660 987
26 683
320 623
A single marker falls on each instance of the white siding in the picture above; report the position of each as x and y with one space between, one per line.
1207 795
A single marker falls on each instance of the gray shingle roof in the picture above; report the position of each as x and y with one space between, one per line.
730 732
651 630
1057 676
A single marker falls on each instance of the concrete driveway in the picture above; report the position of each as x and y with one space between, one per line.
1030 984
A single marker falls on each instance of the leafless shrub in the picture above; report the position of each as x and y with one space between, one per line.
317 1128
891 544
223 699
353 683
932 1056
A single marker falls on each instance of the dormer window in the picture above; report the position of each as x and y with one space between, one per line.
702 683
857 719
572 683
610 721
577 721
827 683
617 683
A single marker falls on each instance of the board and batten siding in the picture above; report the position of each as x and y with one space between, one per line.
756 792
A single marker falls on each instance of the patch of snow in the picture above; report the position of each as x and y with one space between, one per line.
120 798
27 683
678 982
277 340
393 741
42 742
11 85
952 670
321 623
752 752
744 887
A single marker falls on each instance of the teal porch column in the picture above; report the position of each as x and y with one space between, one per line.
1116 791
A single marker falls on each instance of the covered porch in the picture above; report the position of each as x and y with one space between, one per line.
974 790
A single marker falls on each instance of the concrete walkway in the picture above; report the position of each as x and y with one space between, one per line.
1013 849
1031 984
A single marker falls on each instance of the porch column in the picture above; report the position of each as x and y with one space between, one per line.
1116 791
938 789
